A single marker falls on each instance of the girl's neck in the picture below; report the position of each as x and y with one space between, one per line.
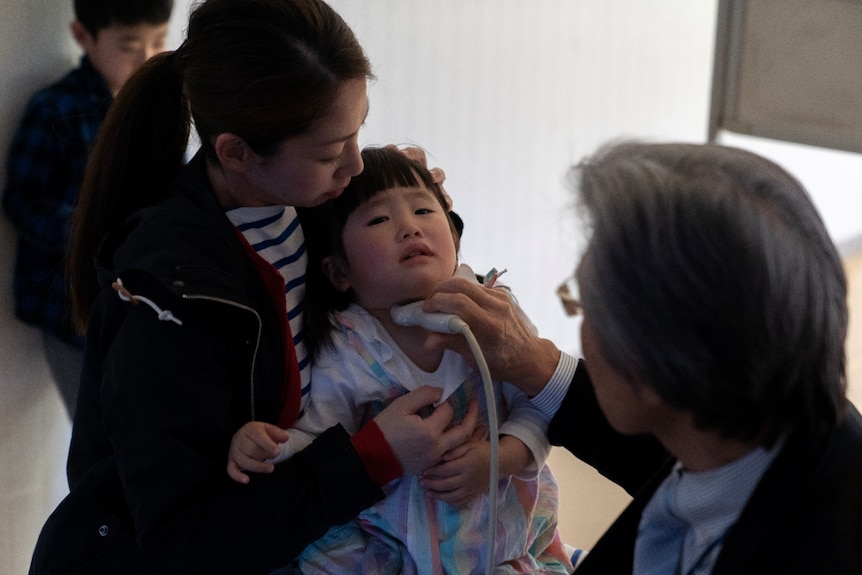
412 341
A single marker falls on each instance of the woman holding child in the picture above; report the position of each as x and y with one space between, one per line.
193 319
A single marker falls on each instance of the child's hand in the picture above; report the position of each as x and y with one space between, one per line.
462 475
251 447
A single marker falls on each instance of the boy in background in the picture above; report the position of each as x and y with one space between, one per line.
46 160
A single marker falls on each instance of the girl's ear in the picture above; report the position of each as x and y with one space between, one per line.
335 269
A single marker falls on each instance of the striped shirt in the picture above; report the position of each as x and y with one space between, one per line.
275 234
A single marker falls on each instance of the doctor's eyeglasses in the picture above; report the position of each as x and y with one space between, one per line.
568 294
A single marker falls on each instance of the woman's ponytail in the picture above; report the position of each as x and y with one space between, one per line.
140 148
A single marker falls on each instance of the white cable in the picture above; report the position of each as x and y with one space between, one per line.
412 314
458 325
494 432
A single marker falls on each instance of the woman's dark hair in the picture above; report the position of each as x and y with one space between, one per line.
264 70
385 168
710 276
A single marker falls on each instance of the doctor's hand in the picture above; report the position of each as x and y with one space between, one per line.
514 352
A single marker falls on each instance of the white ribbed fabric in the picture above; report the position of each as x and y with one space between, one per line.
275 234
548 400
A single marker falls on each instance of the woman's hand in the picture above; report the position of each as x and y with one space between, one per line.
419 443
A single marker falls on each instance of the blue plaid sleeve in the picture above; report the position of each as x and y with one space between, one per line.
43 176
44 169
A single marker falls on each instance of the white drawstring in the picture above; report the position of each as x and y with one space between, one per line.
126 295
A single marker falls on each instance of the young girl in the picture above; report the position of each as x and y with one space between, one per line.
387 241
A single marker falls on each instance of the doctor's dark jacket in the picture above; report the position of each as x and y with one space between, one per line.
804 517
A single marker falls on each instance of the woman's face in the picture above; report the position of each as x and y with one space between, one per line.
316 166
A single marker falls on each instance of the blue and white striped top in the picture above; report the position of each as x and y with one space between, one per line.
275 234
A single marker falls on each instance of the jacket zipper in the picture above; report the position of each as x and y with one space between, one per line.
256 344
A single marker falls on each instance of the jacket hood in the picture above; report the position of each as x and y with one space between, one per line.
185 241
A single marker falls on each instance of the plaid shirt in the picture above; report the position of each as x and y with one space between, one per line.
44 169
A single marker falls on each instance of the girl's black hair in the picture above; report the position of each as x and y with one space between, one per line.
385 168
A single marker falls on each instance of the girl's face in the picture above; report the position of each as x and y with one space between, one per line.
397 245
316 166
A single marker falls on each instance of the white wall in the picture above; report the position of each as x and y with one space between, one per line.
34 426
505 95
832 177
